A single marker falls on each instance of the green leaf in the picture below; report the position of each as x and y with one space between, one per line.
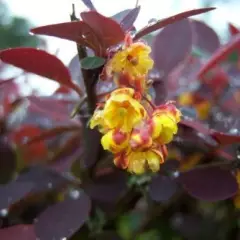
233 57
92 62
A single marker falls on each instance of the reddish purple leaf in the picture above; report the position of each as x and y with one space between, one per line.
39 62
118 17
43 179
63 219
199 127
18 232
109 32
13 192
206 38
233 29
128 21
169 50
6 81
209 184
108 188
225 139
162 188
219 55
164 22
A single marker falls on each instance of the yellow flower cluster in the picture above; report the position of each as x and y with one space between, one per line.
135 133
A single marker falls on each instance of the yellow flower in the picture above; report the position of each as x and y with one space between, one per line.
140 161
133 59
122 111
97 120
163 123
115 141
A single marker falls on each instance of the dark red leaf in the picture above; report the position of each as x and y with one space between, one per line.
220 55
206 38
43 111
63 219
39 62
89 4
18 232
108 188
77 31
37 150
217 80
210 183
164 22
233 29
109 32
225 139
128 20
169 50
13 192
162 188
49 133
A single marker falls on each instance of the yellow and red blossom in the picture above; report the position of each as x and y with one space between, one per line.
140 139
121 111
139 83
133 59
115 141
134 129
163 123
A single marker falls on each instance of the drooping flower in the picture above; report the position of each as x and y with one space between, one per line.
133 59
139 162
164 123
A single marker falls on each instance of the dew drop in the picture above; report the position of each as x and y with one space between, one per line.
74 194
152 21
176 174
50 185
233 131
3 212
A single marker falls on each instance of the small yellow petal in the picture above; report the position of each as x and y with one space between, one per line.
153 160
